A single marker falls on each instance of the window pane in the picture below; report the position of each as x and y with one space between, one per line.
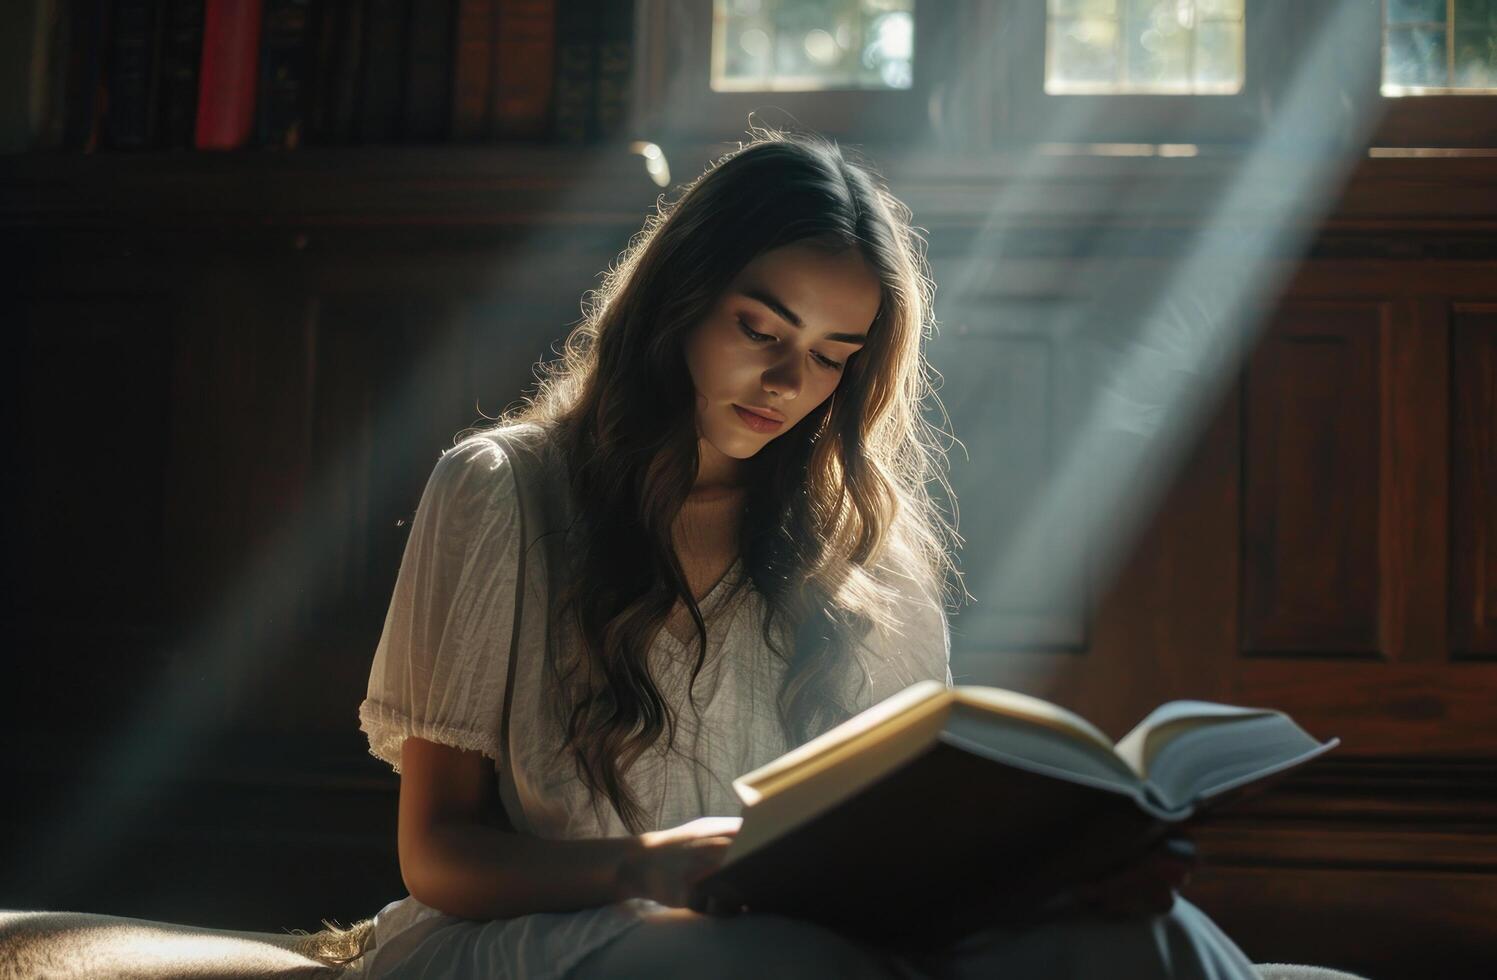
1084 54
1414 56
806 45
1218 61
1144 46
1159 45
1416 11
1476 59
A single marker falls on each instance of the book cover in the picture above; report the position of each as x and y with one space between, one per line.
227 76
524 69
181 55
336 65
429 68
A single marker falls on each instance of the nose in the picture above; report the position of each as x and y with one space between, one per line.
783 378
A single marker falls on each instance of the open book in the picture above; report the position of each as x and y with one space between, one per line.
939 811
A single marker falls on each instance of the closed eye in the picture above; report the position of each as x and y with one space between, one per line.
753 334
760 338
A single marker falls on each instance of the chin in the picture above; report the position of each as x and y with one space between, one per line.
739 448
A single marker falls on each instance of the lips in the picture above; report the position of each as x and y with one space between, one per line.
757 422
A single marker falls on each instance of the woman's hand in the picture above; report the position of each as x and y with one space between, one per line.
667 864
1145 887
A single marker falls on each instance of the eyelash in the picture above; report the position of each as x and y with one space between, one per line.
757 337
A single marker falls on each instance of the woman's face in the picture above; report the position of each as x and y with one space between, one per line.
774 346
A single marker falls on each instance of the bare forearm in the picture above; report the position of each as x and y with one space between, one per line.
481 872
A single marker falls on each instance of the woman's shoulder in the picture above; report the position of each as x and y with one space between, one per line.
495 468
510 448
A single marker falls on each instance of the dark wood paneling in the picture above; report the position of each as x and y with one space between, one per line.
1312 428
1382 708
1473 483
1415 451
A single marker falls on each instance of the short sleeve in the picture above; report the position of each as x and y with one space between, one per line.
439 672
916 648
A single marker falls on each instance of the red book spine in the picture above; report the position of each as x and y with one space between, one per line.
226 86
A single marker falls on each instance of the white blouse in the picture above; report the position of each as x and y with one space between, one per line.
441 667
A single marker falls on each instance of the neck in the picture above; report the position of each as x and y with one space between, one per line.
717 474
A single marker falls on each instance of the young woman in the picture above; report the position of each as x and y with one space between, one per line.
707 539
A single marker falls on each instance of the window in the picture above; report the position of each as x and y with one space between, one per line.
810 45
1132 71
1439 47
1173 47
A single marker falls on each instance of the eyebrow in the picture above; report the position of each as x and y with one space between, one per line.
789 316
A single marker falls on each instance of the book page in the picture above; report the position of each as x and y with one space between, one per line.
1035 710
865 729
1170 720
1193 759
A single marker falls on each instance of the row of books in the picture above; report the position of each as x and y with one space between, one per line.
87 75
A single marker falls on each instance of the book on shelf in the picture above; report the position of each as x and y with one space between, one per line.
524 68
33 73
615 69
230 66
133 75
88 35
941 811
473 61
181 57
576 89
339 49
286 47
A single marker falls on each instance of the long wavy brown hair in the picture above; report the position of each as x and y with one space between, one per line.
831 504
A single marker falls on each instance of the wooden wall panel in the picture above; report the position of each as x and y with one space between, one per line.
1010 388
1311 509
1403 710
1473 483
